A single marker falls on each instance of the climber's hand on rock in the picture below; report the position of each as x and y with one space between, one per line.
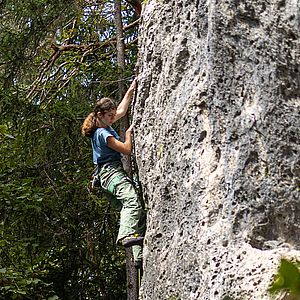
129 130
133 84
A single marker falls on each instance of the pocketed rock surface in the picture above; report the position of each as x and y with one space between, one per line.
217 145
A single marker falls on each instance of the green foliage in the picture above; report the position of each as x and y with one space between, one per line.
57 240
287 279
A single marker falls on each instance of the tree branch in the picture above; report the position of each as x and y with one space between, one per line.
59 49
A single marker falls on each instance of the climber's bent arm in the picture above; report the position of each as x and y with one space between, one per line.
118 146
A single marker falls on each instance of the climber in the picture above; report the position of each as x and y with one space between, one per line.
107 149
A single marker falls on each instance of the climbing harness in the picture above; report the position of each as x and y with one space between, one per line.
95 179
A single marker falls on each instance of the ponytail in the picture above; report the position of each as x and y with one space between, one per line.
89 125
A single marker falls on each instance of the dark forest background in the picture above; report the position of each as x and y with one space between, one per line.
57 238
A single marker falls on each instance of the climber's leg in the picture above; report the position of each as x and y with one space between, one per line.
115 181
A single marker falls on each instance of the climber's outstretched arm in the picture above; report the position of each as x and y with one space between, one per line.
124 104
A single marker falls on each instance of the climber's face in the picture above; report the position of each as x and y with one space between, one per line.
108 117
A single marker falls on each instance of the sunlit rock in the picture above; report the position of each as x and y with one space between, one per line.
217 144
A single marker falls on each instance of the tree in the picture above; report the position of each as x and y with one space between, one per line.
57 238
131 271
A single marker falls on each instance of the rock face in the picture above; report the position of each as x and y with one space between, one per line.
217 144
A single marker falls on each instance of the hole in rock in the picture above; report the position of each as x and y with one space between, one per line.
202 136
278 228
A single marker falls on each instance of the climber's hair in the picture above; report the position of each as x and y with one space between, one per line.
90 123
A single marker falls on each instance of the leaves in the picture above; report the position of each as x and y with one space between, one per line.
57 240
288 278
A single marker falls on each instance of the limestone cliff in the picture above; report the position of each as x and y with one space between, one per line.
217 142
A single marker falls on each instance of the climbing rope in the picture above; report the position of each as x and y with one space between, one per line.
135 169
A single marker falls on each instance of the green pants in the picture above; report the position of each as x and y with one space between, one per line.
121 193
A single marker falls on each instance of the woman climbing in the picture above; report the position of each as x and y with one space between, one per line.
107 149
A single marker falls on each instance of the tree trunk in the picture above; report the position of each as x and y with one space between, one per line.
124 122
131 271
132 276
137 6
120 49
217 144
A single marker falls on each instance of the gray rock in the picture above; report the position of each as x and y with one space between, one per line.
217 144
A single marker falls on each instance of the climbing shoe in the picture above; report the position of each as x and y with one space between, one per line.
132 240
